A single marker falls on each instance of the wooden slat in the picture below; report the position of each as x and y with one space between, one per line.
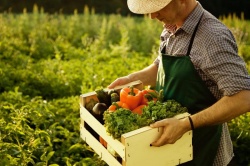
99 128
98 148
138 150
137 145
146 128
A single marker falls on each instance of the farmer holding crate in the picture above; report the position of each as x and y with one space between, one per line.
198 66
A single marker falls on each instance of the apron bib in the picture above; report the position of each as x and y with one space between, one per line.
180 81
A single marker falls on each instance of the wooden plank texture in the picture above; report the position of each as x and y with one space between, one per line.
137 145
139 152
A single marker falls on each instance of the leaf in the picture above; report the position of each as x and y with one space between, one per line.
36 142
44 134
75 147
40 164
50 155
43 156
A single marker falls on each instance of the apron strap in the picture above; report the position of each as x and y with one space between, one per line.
192 38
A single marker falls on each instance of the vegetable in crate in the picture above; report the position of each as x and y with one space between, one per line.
103 142
149 95
103 97
156 111
119 122
139 109
123 120
98 111
116 105
89 106
114 97
131 96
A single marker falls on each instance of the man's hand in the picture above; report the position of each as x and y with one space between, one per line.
222 111
173 129
120 81
147 76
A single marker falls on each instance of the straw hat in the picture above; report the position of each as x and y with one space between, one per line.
146 6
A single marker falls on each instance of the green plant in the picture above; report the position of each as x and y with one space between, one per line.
48 60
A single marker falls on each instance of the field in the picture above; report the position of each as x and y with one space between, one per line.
47 61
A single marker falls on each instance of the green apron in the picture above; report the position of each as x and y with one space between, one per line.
180 81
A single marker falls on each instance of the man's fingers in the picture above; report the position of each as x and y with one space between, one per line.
159 142
115 83
112 85
118 82
170 133
162 140
157 124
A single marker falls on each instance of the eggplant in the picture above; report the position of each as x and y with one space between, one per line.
98 111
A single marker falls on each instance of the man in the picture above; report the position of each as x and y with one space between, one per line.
198 66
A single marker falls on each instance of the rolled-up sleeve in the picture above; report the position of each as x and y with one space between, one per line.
224 66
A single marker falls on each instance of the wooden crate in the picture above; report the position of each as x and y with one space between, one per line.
134 148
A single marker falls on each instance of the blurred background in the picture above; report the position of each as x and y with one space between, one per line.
216 7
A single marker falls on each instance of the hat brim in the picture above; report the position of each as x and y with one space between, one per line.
146 6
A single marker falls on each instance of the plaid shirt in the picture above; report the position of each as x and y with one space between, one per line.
214 55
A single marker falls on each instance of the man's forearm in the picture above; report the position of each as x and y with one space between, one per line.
147 75
224 110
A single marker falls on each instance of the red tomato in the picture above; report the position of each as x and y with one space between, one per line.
139 109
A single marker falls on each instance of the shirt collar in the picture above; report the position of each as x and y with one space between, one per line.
170 28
